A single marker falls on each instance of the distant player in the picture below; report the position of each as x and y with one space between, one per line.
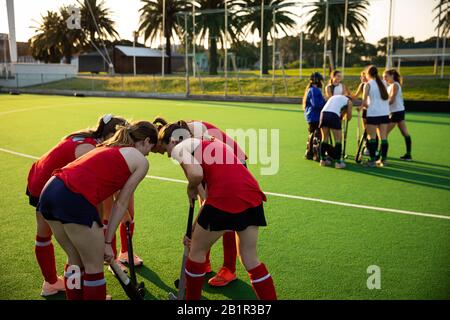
69 203
67 150
397 108
375 99
337 106
234 202
205 131
335 87
313 102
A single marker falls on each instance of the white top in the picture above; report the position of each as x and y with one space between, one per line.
398 104
335 104
377 106
338 90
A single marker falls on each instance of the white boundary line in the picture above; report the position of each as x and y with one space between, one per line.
45 107
282 195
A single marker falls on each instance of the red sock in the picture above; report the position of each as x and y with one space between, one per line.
262 283
195 274
71 292
45 256
113 242
123 236
94 286
229 250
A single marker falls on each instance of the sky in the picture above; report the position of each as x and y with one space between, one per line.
412 18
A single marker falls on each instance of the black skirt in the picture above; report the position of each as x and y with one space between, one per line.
58 203
214 219
330 120
32 200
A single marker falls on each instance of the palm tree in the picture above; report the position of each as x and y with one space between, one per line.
54 40
443 16
97 24
151 22
251 18
211 25
356 18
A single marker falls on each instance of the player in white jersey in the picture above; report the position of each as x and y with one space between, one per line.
375 100
337 107
335 86
397 108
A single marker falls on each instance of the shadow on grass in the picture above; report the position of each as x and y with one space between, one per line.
236 290
153 277
442 123
407 173
56 297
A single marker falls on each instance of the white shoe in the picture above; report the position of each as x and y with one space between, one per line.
340 165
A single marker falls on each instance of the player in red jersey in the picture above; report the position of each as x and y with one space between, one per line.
206 131
66 151
234 201
70 200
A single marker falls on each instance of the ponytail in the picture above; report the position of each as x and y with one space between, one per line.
159 122
372 71
106 126
395 75
129 134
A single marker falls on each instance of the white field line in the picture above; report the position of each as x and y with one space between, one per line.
44 107
288 196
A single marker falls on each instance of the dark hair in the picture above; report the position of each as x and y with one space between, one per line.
395 75
159 122
128 135
167 131
373 72
333 75
106 125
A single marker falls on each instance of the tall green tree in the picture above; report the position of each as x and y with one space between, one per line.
151 22
96 21
442 18
251 18
210 25
356 19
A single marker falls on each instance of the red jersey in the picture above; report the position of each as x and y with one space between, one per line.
62 154
222 136
231 187
97 175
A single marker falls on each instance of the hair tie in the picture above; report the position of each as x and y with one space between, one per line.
107 118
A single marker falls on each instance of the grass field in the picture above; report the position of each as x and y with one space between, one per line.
314 250
418 84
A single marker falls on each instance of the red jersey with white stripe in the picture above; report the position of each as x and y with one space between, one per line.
62 154
97 175
231 187
222 136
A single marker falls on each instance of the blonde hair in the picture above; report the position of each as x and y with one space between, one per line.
128 135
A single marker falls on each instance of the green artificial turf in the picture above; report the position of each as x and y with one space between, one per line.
313 250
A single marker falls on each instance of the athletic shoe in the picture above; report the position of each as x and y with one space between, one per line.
123 257
51 289
340 165
325 163
121 266
406 157
366 152
381 163
208 268
222 278
370 164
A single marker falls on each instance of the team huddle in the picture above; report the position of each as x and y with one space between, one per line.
83 191
382 108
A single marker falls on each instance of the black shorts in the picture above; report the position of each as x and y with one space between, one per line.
32 200
330 120
58 203
396 117
377 120
214 219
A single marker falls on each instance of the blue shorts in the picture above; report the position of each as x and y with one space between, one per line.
397 117
377 120
58 203
330 120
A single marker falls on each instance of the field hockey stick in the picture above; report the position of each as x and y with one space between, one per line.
128 287
360 150
141 286
344 147
180 283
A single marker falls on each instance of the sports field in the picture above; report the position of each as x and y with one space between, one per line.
313 249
